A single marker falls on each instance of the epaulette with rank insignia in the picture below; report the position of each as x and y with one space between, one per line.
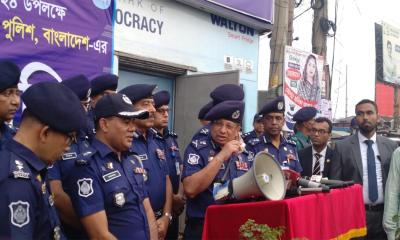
254 141
204 131
199 144
244 135
291 141
83 158
156 134
173 134
19 169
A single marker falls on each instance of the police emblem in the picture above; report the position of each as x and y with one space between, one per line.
126 99
119 199
236 114
193 159
85 188
280 106
110 165
19 213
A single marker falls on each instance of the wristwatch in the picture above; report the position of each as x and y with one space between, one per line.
169 216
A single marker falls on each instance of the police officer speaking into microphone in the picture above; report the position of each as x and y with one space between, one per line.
107 187
52 116
219 157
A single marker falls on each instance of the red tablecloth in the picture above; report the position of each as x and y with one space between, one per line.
339 214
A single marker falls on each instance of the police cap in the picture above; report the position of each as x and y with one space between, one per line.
204 110
104 82
161 98
138 92
227 92
55 105
257 117
80 85
304 114
117 105
275 105
9 75
230 110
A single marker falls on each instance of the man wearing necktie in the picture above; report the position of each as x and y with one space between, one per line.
365 158
316 159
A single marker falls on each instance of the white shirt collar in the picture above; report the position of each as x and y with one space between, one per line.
362 138
323 152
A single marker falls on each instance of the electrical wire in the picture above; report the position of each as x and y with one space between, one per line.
333 48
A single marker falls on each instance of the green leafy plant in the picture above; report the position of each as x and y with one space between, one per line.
250 230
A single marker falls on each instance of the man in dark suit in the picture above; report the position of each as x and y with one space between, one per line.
316 159
365 158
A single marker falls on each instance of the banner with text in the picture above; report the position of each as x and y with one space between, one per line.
55 39
302 81
391 53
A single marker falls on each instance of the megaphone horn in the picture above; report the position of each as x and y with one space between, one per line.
265 178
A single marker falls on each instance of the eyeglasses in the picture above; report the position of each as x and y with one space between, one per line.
319 131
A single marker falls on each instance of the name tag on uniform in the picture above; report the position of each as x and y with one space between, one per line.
112 175
70 155
242 166
142 157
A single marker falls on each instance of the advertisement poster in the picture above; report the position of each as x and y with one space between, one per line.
302 81
391 53
56 39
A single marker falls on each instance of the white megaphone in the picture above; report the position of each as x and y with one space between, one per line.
264 179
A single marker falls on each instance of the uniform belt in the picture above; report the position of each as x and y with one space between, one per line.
376 207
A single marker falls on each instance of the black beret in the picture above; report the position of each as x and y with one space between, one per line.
104 82
230 110
9 75
55 105
227 92
117 105
275 105
161 98
257 117
204 110
138 92
305 114
353 122
80 85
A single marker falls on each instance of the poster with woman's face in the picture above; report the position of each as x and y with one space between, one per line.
391 53
303 84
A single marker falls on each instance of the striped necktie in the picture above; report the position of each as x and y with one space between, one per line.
317 165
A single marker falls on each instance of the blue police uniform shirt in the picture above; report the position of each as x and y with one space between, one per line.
6 133
197 155
247 137
103 182
286 154
168 141
27 209
153 158
62 168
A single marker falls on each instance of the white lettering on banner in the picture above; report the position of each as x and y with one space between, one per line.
133 20
9 4
52 10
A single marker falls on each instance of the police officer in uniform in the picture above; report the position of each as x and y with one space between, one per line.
101 85
221 93
9 98
218 158
60 170
152 155
52 116
258 129
272 141
304 119
107 186
169 141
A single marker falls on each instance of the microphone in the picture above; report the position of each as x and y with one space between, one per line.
307 183
322 189
336 183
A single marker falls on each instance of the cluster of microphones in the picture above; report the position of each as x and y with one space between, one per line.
310 185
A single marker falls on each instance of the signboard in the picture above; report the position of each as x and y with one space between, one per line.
261 9
55 39
302 81
391 53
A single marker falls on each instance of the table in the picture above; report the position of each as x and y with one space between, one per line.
339 214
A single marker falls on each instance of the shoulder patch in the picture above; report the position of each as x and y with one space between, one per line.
193 159
198 144
85 187
19 213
